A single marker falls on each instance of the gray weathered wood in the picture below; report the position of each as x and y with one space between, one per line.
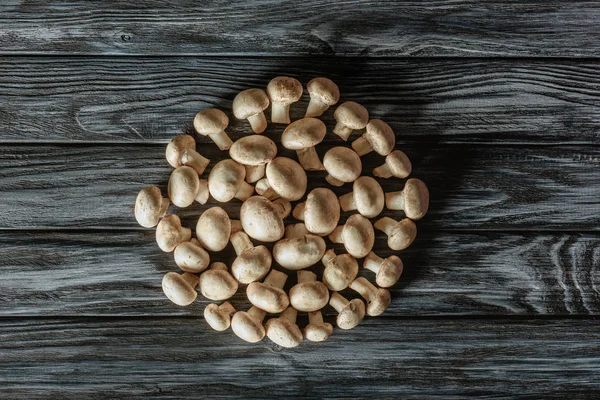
133 99
408 28
119 273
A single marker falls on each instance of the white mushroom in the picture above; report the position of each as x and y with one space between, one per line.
356 234
299 252
285 178
387 270
252 262
213 229
401 234
219 317
283 91
212 123
262 219
379 137
191 257
413 199
184 186
303 135
367 197
150 206
378 299
226 181
269 295
396 164
340 270
283 330
254 152
176 147
216 283
250 104
247 325
350 116
180 289
323 94
342 165
320 212
308 294
169 233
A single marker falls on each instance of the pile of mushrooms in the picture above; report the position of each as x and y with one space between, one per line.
284 240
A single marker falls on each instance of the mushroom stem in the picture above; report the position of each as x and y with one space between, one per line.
362 146
257 313
263 188
295 231
328 258
221 139
336 235
241 242
373 262
236 226
276 279
280 113
383 171
254 172
306 276
298 212
218 266
395 200
347 202
333 181
283 208
385 224
186 234
289 314
203 193
337 301
164 207
245 191
258 122
309 159
315 317
227 308
315 108
363 287
342 131
191 279
192 158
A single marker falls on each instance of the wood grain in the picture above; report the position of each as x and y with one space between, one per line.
434 101
261 27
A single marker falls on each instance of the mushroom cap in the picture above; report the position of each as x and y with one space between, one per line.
283 332
352 114
148 206
342 163
300 252
416 198
176 147
287 178
341 273
351 315
249 102
191 257
184 186
318 332
304 133
247 327
217 284
218 319
267 298
225 179
358 236
284 90
253 150
178 290
381 136
213 229
403 234
321 211
168 233
380 301
252 264
389 271
309 296
260 219
368 196
399 163
324 90
210 121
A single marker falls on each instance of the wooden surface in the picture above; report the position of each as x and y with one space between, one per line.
496 103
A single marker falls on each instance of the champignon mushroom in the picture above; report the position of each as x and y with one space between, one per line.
255 173
191 257
213 229
379 137
180 289
254 152
308 294
150 206
323 94
170 233
192 158
184 186
367 197
378 299
219 317
250 104
216 283
350 313
401 234
349 116
269 295
295 230
203 193
252 262
286 178
247 325
339 271
387 270
356 234
299 252
212 123
283 91
413 199
320 212
342 165
317 330
283 330
262 219
226 181
303 135
396 164
176 147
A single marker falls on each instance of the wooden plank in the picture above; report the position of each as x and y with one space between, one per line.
119 273
415 359
150 99
316 27
472 187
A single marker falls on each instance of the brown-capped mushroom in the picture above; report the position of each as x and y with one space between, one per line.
303 135
342 165
378 299
219 317
269 295
176 147
250 104
350 313
180 289
320 212
191 257
252 262
283 91
379 137
212 123
262 219
340 270
367 197
413 199
356 234
150 206
317 330
283 330
308 294
299 252
286 178
247 325
349 116
170 233
387 270
396 164
323 94
401 234
226 181
216 283
213 229
184 186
